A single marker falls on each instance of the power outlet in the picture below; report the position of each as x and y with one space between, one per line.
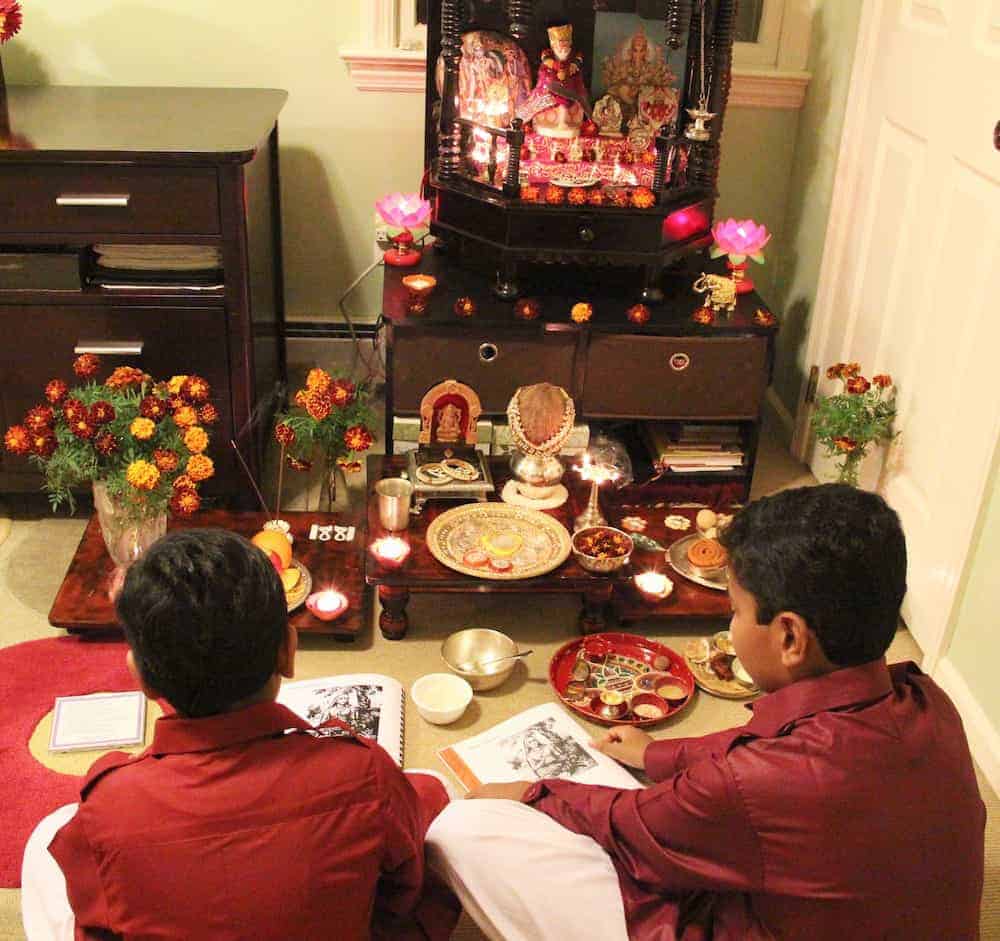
381 233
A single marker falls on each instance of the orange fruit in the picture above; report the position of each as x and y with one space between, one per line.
290 578
270 541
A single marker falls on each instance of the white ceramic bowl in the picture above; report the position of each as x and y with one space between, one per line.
441 698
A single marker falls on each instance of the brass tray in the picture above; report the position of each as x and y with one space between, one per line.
677 557
300 592
532 542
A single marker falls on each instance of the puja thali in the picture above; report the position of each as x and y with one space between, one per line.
498 541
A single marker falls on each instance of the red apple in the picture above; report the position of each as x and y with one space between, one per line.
279 566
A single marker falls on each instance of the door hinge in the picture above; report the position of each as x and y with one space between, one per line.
812 385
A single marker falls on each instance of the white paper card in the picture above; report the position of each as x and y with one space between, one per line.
102 720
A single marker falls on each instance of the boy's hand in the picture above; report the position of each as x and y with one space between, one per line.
513 791
626 744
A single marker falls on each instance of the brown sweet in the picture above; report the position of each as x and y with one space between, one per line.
721 665
707 554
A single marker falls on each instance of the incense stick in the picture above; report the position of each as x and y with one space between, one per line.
253 483
281 474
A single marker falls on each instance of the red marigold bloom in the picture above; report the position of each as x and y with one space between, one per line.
318 405
166 460
643 197
185 501
86 365
175 402
208 414
850 369
83 428
44 445
704 315
17 440
153 407
125 376
74 410
39 419
858 385
284 434
845 444
342 392
185 417
195 390
10 19
106 443
833 372
358 438
56 391
318 380
296 464
102 413
301 397
882 380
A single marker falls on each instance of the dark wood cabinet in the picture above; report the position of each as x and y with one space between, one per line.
83 166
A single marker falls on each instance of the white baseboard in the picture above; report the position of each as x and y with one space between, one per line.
785 417
983 736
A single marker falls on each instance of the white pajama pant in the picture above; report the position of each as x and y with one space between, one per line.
523 877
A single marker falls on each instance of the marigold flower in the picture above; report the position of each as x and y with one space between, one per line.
555 195
643 197
102 413
10 19
882 380
142 428
208 414
17 440
318 380
125 376
83 428
833 372
342 393
185 417
86 365
195 390
174 384
301 397
596 197
858 385
845 444
348 467
297 464
704 316
185 501
175 402
200 467
195 439
153 408
582 312
44 445
577 196
166 460
141 474
620 197
106 443
39 419
74 410
56 391
284 434
358 438
530 193
184 482
318 405
849 369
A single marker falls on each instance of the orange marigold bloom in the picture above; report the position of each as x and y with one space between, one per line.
530 193
318 380
74 410
845 444
44 445
10 19
106 443
882 380
577 196
142 428
125 376
183 482
39 419
858 385
208 414
153 407
596 197
349 467
195 439
704 315
301 397
555 195
166 460
318 405
358 438
55 391
643 198
185 501
102 413
195 390
849 369
342 393
174 384
185 417
86 365
141 474
200 467
83 428
582 312
17 440
284 434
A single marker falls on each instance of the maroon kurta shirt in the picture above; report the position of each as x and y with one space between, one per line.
232 827
847 807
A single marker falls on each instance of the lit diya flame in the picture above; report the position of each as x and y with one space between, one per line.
327 604
391 551
653 586
597 473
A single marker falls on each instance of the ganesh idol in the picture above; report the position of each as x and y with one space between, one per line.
559 101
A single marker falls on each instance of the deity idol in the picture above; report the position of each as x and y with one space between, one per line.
559 101
638 63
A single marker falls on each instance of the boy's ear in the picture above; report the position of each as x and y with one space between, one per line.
133 668
287 651
796 639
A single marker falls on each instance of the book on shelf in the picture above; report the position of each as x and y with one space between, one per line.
692 448
541 742
370 703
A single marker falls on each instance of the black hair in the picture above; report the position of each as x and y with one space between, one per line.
834 555
205 615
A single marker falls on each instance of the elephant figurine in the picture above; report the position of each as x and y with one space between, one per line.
721 291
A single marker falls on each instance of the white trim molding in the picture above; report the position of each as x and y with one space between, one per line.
768 88
381 70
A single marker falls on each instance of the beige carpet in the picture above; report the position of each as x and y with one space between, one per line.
34 558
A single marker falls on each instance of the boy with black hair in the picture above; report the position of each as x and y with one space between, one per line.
240 820
847 807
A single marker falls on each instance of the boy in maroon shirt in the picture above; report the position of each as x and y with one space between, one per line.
240 820
847 807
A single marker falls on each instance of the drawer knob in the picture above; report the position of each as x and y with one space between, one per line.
586 234
679 362
488 352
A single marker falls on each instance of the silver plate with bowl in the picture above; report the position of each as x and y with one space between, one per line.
679 562
463 651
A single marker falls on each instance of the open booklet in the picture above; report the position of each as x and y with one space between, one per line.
372 704
541 742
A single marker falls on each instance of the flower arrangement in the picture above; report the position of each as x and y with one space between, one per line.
848 423
330 417
145 441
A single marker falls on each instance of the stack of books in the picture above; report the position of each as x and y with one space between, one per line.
695 448
141 267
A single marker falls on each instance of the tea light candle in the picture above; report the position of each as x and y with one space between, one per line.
419 288
328 604
653 586
391 551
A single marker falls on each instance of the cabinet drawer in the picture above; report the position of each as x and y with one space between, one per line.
580 231
675 377
422 359
109 200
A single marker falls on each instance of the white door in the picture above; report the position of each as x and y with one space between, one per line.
910 271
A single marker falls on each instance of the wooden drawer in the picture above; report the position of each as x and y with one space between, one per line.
425 357
675 377
582 231
108 200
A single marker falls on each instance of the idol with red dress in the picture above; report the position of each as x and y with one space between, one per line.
559 101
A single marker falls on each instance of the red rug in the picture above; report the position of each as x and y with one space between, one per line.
31 676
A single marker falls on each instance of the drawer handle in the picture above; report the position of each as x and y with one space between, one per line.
587 234
679 362
488 352
103 202
109 347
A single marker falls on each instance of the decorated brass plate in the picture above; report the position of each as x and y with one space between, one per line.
300 591
498 541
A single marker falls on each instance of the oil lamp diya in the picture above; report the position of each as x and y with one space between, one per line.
419 288
391 551
597 474
327 605
653 586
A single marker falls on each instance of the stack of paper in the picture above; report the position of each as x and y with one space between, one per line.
192 267
695 448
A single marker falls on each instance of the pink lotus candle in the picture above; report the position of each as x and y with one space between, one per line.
403 211
653 586
328 604
391 551
739 240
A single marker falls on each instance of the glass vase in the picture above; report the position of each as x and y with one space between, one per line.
848 471
127 534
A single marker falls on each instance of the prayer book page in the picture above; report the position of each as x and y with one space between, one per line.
370 703
541 742
98 721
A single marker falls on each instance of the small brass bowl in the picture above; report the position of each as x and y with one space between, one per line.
463 650
601 566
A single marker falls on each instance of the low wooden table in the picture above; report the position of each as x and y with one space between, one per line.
602 595
82 603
